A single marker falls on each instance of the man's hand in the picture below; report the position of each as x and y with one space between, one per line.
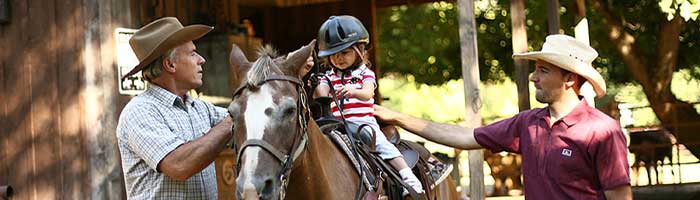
386 115
307 67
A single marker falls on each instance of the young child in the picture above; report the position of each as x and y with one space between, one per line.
343 40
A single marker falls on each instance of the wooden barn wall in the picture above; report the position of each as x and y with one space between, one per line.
214 47
288 28
218 13
60 105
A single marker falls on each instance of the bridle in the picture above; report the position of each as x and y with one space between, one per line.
286 160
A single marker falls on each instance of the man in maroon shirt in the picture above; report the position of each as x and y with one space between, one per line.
570 150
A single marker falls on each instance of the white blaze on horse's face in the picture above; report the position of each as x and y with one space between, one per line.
255 122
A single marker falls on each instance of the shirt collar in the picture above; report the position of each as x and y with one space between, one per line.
577 114
168 98
360 68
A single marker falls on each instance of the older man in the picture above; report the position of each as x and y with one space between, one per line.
570 150
168 139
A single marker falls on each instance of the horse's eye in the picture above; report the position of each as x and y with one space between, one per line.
287 108
289 111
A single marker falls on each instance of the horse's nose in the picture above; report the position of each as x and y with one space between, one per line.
262 188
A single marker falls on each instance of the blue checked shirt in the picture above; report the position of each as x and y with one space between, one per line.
152 125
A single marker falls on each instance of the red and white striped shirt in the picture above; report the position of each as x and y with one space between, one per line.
354 109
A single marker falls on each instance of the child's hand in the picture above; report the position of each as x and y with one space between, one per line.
346 91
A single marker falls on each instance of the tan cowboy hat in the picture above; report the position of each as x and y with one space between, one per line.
570 54
154 39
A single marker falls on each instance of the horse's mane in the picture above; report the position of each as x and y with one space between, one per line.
263 66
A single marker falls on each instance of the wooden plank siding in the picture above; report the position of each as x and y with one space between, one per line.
4 172
19 157
4 125
73 155
41 58
59 114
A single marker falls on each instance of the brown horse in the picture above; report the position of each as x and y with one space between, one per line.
281 152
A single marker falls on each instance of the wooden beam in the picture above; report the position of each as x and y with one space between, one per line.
73 154
17 74
389 3
517 10
43 86
470 74
552 17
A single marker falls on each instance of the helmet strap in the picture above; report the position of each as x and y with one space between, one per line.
359 54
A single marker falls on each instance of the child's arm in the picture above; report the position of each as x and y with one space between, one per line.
365 93
322 90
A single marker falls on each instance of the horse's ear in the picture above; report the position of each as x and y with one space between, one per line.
297 59
239 66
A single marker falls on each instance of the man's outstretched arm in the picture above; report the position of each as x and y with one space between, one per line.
446 134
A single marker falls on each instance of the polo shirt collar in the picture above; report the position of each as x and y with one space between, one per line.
577 114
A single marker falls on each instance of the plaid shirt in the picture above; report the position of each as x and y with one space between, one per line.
152 125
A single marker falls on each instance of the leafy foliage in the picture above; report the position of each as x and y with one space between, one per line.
445 102
423 40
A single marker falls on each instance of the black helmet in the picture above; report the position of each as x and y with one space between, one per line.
340 32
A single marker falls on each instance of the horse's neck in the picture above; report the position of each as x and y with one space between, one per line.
324 171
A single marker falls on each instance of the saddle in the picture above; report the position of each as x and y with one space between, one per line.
380 178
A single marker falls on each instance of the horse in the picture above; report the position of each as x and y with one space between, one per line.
280 152
505 167
651 147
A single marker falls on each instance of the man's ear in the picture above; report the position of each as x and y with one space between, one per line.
168 65
572 79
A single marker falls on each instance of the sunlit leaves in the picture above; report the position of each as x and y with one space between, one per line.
423 40
688 9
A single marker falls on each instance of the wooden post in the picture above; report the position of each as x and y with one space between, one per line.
581 34
470 74
552 17
517 16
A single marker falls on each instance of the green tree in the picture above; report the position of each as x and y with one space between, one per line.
652 40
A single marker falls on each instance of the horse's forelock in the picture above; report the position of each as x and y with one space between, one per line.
263 66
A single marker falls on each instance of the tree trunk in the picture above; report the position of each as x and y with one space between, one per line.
655 72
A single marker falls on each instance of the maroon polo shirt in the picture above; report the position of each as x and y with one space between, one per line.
579 157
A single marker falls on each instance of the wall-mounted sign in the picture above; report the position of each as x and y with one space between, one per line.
126 60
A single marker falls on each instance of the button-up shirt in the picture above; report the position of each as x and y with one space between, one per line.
579 157
152 125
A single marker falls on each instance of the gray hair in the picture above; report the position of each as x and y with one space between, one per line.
155 68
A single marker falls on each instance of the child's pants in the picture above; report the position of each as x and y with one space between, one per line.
386 150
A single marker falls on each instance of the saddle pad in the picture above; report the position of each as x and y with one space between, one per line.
344 143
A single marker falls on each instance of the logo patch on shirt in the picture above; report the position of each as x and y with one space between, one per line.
566 152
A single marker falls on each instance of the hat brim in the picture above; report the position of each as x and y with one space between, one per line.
186 34
335 49
570 64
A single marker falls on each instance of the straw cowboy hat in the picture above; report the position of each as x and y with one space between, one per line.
570 54
154 39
